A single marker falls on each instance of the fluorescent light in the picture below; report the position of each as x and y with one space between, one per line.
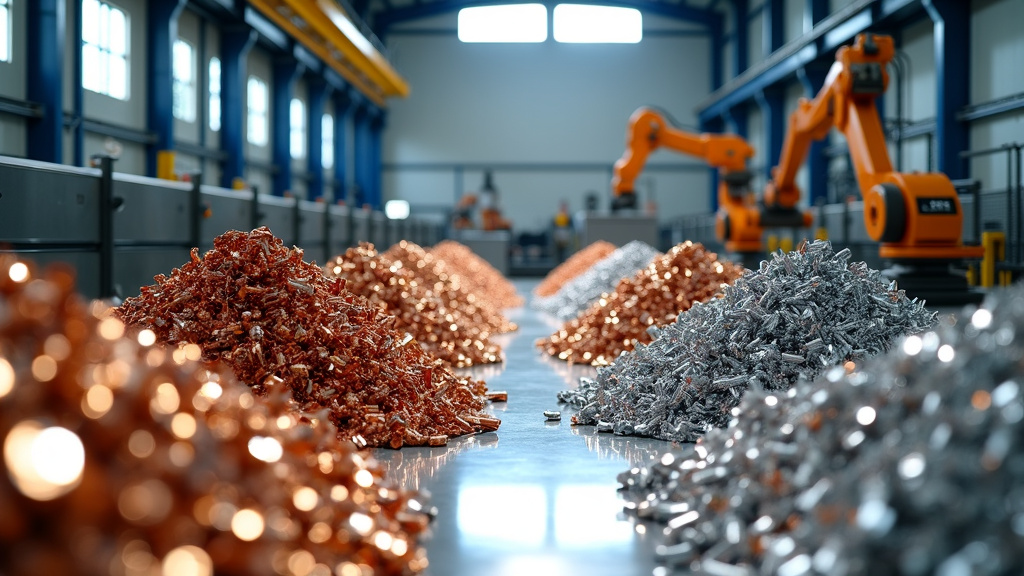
504 23
581 23
396 209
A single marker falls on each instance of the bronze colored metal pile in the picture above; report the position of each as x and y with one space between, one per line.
441 331
123 456
449 286
279 322
910 463
669 285
577 264
482 278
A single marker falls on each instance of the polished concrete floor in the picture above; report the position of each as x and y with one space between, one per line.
534 498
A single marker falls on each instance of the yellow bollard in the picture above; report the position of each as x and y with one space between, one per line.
972 276
821 233
772 243
238 184
165 165
786 244
995 251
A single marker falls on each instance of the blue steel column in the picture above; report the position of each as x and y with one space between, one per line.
342 152
772 110
46 20
952 31
773 20
817 162
717 42
161 32
317 93
235 44
287 71
814 11
741 34
377 123
361 145
77 87
713 126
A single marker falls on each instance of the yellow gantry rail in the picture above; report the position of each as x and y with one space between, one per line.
323 28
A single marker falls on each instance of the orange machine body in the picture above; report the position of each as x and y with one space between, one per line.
649 130
913 216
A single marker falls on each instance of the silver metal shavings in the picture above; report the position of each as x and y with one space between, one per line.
799 314
552 415
580 292
911 463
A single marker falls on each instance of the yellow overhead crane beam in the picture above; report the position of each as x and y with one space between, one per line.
324 29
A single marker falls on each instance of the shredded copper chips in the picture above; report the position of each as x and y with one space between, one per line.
575 265
124 456
278 321
448 285
481 277
669 285
443 332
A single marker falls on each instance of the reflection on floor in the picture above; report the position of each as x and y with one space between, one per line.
535 498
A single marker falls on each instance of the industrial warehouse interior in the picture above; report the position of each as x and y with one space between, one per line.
458 287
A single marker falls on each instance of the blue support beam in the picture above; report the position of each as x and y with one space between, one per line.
161 32
714 126
772 110
737 121
952 32
773 22
286 72
814 12
342 152
741 33
317 91
813 78
235 44
717 45
820 43
360 153
418 10
45 135
376 137
77 87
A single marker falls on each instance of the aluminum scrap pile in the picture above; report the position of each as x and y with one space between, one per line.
799 314
579 293
909 463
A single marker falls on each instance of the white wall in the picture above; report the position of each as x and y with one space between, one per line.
539 103
12 84
997 58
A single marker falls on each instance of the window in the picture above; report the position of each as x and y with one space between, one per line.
258 104
327 139
214 94
184 107
5 30
505 23
589 23
297 123
104 49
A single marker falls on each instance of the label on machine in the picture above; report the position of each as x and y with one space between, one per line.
936 206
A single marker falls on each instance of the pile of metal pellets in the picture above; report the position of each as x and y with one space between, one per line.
908 463
578 294
800 313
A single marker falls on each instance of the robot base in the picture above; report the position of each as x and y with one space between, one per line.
937 282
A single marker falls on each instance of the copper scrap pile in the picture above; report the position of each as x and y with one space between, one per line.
577 264
442 331
123 456
669 285
279 322
477 273
445 283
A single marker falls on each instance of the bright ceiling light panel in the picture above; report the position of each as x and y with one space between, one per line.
504 23
581 23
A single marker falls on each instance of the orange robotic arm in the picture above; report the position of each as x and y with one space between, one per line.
913 215
650 130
